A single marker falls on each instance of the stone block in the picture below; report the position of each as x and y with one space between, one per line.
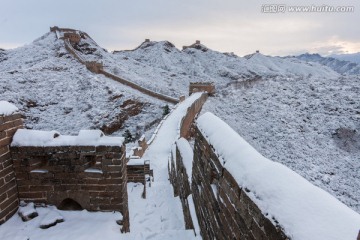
5 126
4 150
5 141
31 195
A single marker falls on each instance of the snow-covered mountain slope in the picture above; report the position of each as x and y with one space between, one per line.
55 91
340 66
351 57
310 125
154 64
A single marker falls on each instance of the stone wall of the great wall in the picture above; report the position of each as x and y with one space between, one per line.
8 189
186 124
224 210
139 88
93 176
179 179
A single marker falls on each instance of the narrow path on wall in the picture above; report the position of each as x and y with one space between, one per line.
160 215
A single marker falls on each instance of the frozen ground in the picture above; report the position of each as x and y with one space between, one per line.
79 225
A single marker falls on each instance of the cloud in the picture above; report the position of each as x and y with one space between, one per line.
228 26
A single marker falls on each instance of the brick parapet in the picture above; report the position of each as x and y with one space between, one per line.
180 180
95 177
136 173
224 210
186 124
9 201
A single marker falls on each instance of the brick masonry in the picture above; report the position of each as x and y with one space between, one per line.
186 124
180 181
53 174
136 173
8 189
224 210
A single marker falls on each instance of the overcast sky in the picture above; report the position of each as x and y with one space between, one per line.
237 26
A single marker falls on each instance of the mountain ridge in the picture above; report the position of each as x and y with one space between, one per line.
340 66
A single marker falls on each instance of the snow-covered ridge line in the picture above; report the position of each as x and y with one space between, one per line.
340 66
25 137
81 59
303 210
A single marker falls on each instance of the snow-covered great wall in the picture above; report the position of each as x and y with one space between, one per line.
71 35
239 194
300 114
227 189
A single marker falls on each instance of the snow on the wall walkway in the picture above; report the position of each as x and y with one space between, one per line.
303 210
7 108
160 148
160 215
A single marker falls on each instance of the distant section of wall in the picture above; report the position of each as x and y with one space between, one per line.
188 120
8 189
56 28
139 88
202 87
73 37
73 52
224 210
93 176
97 67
